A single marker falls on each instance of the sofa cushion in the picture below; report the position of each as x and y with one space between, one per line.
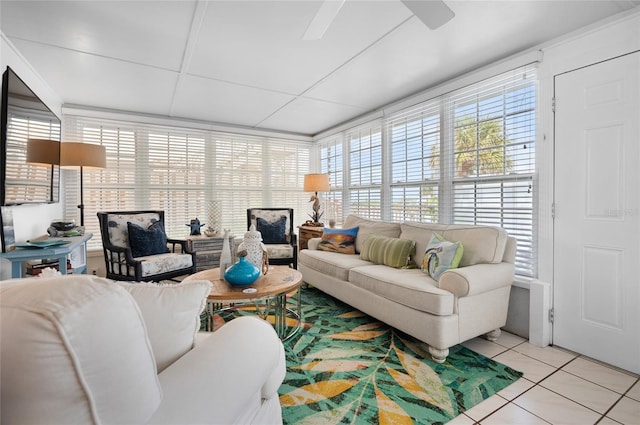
482 244
171 313
149 241
330 263
339 240
368 227
79 342
392 252
440 256
408 287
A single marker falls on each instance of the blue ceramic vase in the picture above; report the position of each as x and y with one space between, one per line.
242 273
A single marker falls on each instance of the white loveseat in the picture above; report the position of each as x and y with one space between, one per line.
87 350
465 302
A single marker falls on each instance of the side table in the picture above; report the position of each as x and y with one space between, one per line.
60 252
208 250
307 232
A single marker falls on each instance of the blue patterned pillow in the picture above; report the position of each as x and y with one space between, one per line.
148 241
272 232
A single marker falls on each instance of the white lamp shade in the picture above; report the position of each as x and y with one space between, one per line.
316 183
86 155
43 152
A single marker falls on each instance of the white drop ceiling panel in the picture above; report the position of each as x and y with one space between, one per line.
244 62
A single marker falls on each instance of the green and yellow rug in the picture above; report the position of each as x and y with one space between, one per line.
345 367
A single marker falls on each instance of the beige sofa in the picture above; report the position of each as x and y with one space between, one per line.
466 302
81 349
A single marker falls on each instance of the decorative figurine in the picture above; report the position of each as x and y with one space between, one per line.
195 226
316 210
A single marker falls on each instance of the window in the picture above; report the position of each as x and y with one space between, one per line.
183 171
332 163
466 157
365 171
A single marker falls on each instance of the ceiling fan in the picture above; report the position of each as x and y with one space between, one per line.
433 13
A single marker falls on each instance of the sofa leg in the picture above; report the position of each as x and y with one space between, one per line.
493 335
438 356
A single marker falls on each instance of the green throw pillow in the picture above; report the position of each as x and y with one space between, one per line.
440 256
392 252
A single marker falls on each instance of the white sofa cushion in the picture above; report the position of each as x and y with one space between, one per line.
410 287
368 227
75 341
331 263
171 313
482 244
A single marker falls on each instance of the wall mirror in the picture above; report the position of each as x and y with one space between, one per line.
24 117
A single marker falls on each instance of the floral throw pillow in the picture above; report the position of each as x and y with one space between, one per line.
440 256
339 240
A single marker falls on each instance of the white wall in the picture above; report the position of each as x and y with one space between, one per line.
29 220
609 39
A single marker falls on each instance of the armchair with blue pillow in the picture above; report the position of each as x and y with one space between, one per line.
136 247
276 227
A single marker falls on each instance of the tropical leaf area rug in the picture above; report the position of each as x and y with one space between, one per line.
344 367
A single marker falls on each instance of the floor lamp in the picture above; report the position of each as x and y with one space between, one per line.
82 155
316 183
44 152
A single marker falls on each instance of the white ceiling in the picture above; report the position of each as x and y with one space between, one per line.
245 63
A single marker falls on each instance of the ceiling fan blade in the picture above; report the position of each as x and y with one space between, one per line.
324 17
434 13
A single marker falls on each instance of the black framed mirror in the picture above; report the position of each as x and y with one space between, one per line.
25 117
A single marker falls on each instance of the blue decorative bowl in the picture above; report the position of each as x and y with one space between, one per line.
242 273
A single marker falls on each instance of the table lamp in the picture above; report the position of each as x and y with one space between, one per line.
316 183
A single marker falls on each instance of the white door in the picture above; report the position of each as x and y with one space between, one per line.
596 288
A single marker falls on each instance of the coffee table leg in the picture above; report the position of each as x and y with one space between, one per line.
280 313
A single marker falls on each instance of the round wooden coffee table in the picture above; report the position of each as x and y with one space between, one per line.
267 294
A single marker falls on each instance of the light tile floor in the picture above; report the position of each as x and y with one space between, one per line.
559 387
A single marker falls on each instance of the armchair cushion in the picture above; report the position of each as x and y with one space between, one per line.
76 341
149 241
152 265
272 232
171 313
118 230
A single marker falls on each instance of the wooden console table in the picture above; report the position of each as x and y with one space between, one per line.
60 252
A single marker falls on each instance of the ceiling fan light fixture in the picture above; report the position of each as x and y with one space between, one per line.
323 19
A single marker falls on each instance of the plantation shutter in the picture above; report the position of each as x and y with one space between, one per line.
365 170
332 163
22 125
181 171
491 158
414 138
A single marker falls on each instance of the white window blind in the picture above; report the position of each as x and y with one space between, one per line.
180 170
414 138
332 163
466 157
365 170
26 181
493 158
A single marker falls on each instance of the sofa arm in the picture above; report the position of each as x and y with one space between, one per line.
313 243
476 279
